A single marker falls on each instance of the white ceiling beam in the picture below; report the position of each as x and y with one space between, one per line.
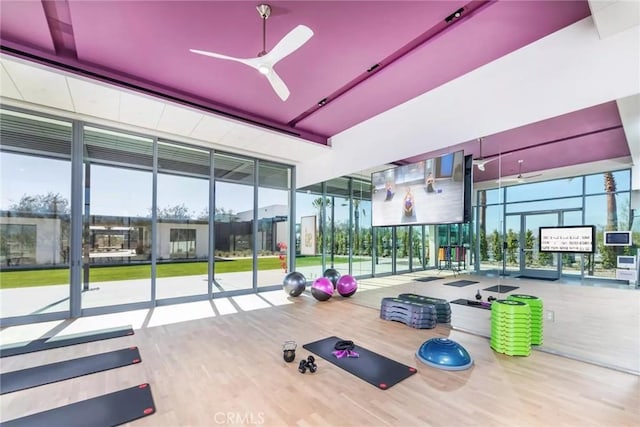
613 16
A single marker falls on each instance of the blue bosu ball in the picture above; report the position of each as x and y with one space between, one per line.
443 353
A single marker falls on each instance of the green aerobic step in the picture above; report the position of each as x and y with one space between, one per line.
510 307
511 346
533 301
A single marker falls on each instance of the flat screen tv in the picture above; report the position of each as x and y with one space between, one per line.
617 238
571 238
431 191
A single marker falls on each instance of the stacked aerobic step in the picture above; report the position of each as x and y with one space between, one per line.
535 304
511 327
443 309
415 314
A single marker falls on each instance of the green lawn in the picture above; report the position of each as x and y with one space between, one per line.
28 278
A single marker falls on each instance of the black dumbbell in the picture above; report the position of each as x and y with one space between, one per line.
478 296
311 364
491 299
308 363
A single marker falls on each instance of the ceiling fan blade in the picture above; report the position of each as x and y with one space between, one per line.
480 163
219 56
289 43
278 85
531 176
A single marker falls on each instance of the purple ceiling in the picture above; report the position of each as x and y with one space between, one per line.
583 136
147 43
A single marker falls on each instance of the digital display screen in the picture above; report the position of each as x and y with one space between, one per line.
574 239
431 191
617 238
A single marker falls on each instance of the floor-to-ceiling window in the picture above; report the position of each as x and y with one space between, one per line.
383 259
274 183
183 221
362 236
601 199
402 247
117 237
607 206
35 202
310 231
338 240
234 208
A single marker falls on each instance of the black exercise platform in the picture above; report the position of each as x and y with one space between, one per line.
60 371
461 283
64 341
501 288
371 367
472 303
108 410
427 279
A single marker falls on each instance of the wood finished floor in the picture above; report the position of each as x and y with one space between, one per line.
203 370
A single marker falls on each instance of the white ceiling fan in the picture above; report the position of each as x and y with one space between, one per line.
519 178
265 61
480 162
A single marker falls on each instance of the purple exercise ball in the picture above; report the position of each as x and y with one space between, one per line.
322 289
347 285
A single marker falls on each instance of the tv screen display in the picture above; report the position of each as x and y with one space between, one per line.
575 239
426 192
617 238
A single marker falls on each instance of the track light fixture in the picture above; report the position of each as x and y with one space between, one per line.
455 15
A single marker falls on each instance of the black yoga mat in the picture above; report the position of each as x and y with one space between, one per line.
60 371
501 288
371 367
472 303
427 279
461 283
56 342
108 410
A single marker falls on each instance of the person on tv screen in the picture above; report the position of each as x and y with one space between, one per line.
429 181
408 203
389 191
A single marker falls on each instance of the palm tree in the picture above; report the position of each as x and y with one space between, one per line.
609 253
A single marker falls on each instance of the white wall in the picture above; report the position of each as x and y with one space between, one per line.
202 238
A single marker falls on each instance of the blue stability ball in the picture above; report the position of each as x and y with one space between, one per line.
333 275
443 353
294 283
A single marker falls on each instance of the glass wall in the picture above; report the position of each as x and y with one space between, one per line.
362 233
234 224
384 250
310 231
117 239
35 202
183 221
274 183
338 238
601 199
402 247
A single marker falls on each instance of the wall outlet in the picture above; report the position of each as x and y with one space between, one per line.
551 316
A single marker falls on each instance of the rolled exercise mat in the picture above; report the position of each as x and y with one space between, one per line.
371 367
